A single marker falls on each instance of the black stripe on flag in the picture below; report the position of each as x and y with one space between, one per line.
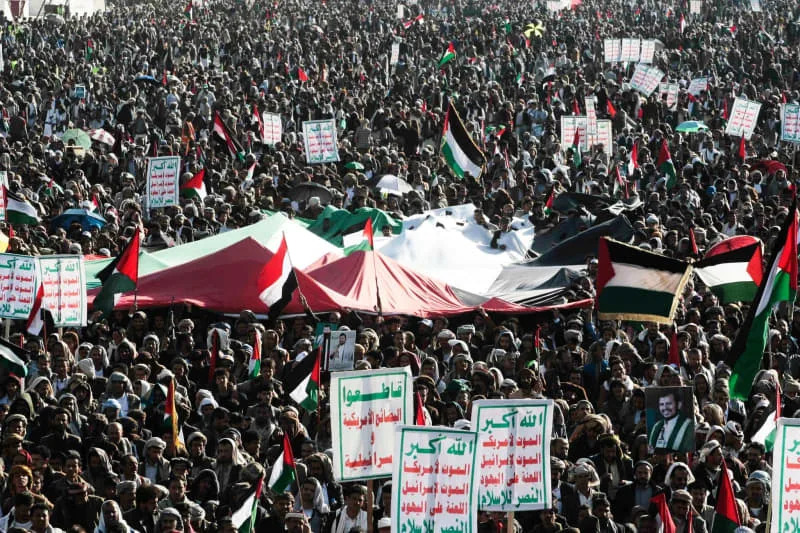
632 255
287 290
463 138
299 371
739 255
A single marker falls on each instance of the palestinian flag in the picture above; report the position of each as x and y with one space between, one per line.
301 74
244 518
726 512
633 161
35 320
254 365
19 211
222 131
682 23
610 109
448 55
767 433
11 358
742 149
283 471
664 517
779 285
665 165
303 380
277 281
171 419
634 284
732 269
120 276
187 11
576 149
548 205
459 150
260 121
195 187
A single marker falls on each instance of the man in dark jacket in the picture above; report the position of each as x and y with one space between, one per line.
77 506
143 517
637 493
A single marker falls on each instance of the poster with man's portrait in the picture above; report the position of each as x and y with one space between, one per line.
670 418
340 351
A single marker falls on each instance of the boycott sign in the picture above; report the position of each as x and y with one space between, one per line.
695 6
630 50
18 275
647 51
513 454
63 280
581 123
743 117
368 405
591 116
612 48
786 476
320 141
163 174
604 136
273 128
697 85
790 122
646 79
433 480
670 90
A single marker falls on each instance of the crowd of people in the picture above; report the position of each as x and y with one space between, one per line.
83 444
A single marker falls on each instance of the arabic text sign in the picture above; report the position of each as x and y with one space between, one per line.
743 118
163 174
273 129
695 6
591 116
395 53
612 48
670 90
63 277
697 85
568 126
755 5
604 136
18 275
513 454
368 406
786 476
790 122
647 51
3 189
630 50
320 141
646 79
433 480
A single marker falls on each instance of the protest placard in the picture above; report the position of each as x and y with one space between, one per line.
743 118
3 189
697 85
647 51
646 79
786 476
568 126
320 141
64 281
433 480
612 48
366 407
513 455
395 53
273 128
591 116
18 277
695 6
670 91
604 136
163 181
630 50
755 6
340 351
557 5
790 122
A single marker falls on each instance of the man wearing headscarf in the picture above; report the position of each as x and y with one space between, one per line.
311 502
111 517
229 462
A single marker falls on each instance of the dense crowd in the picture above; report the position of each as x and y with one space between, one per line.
83 445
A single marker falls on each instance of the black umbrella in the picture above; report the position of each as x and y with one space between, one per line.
304 191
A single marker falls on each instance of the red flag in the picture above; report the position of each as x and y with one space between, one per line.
725 109
576 110
368 233
742 149
783 96
419 415
35 321
726 509
693 242
612 111
663 512
301 74
674 352
164 78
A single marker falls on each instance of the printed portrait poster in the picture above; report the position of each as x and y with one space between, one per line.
670 418
340 353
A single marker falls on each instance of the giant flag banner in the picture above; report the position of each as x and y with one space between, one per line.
786 477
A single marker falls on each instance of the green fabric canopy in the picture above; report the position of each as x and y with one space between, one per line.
342 222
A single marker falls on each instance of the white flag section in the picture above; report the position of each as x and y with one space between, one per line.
513 454
163 181
646 79
743 118
786 477
320 141
64 281
18 283
273 128
790 123
433 480
369 405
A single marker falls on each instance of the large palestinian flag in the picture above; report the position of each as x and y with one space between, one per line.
459 150
120 276
634 284
732 269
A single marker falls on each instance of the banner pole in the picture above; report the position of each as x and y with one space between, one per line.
370 503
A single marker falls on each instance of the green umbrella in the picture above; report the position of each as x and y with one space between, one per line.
354 165
692 126
78 137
